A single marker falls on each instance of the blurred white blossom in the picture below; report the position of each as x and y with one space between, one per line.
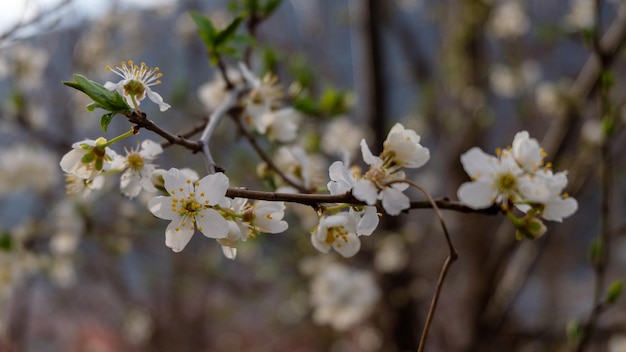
25 168
580 14
509 20
342 297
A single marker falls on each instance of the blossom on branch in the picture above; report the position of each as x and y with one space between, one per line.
341 231
517 177
88 158
136 82
138 168
246 220
191 205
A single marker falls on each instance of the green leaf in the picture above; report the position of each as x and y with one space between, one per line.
252 5
306 105
270 6
102 97
595 251
614 291
228 32
6 242
574 331
105 120
206 29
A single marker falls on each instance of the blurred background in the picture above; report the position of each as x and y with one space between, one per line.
92 273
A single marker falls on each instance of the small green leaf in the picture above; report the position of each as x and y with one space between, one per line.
206 29
595 251
6 242
105 120
270 6
306 105
102 97
614 291
228 32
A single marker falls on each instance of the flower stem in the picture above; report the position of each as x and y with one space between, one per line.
119 138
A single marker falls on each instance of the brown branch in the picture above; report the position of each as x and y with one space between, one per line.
192 132
141 121
318 199
266 158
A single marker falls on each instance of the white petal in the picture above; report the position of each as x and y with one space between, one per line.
368 222
477 195
349 247
176 183
177 236
368 157
479 164
341 179
211 189
319 243
560 208
161 207
229 252
366 191
150 149
212 224
130 184
156 98
394 201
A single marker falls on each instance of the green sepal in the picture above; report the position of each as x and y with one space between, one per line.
87 158
614 291
102 97
105 120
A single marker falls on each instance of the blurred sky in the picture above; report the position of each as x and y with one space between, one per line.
14 11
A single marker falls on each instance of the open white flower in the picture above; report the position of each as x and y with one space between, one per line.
136 82
337 232
403 147
190 205
374 184
138 168
494 180
341 231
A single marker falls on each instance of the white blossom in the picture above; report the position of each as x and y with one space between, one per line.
341 231
190 205
87 159
136 82
279 125
24 168
403 147
509 20
342 297
138 168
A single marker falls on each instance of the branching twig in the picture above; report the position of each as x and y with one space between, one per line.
452 257
192 132
215 118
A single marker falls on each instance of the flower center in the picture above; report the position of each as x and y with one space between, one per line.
190 208
135 161
506 182
335 233
135 88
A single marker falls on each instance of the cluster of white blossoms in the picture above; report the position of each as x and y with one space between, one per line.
89 160
202 205
401 149
517 177
341 230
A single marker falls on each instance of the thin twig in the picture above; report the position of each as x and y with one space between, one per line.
452 257
192 132
266 158
214 119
